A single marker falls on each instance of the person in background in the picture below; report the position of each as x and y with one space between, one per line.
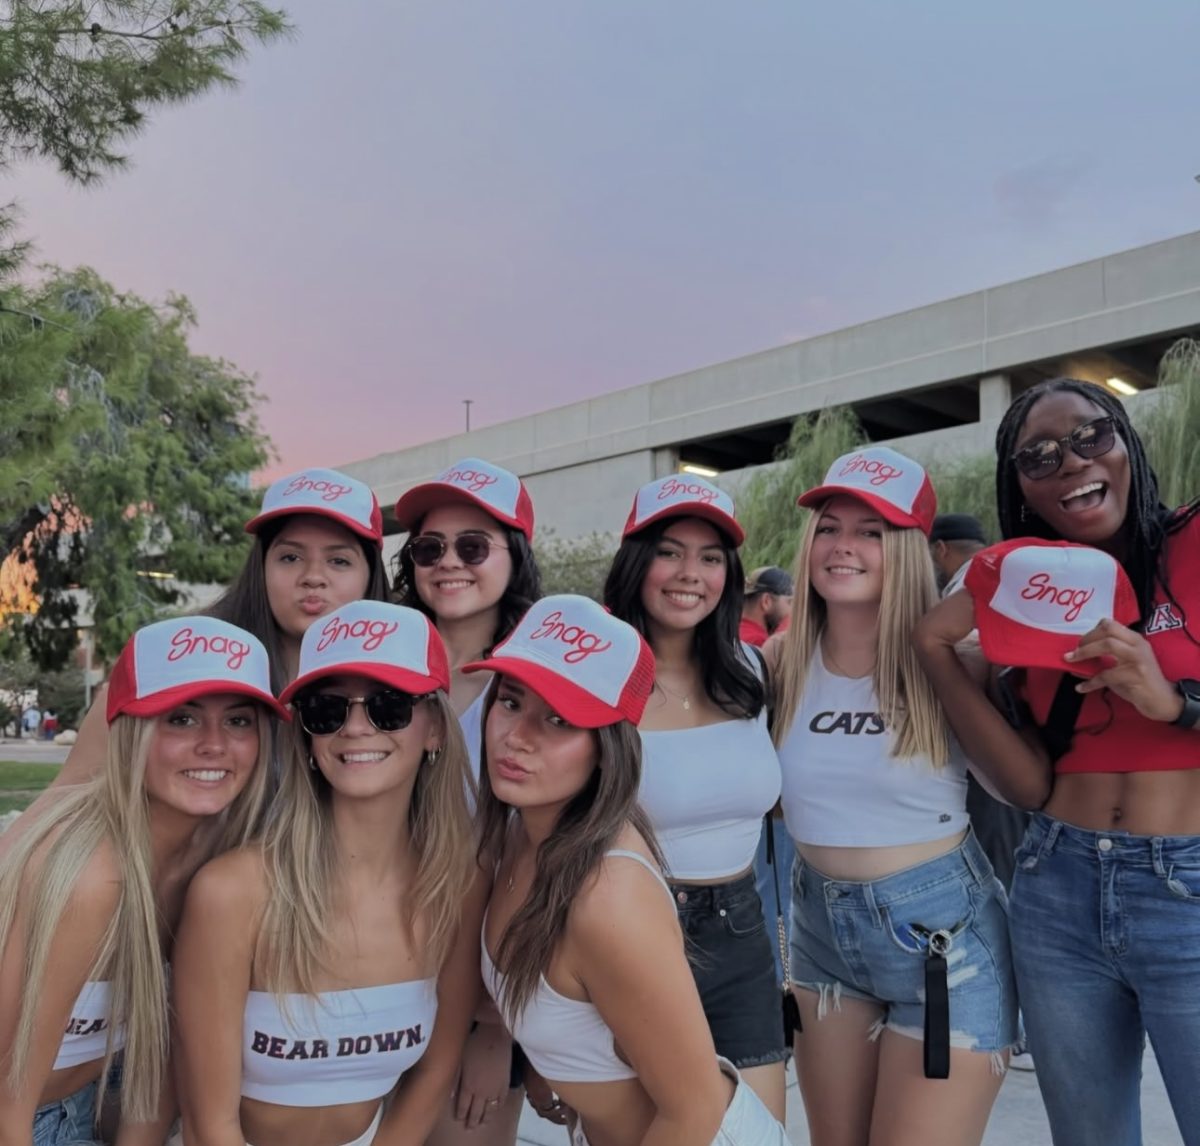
30 719
766 604
49 725
953 541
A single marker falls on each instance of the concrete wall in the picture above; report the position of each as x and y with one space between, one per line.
583 461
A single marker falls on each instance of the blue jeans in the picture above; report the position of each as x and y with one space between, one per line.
1106 942
67 1122
785 856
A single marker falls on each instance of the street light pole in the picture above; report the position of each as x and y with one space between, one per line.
468 403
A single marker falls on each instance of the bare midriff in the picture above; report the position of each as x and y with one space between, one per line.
859 865
269 1124
1141 803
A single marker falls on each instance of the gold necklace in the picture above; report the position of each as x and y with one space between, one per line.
684 700
827 653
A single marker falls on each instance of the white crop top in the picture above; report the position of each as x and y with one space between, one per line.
841 785
342 1046
471 722
706 791
86 1036
565 1039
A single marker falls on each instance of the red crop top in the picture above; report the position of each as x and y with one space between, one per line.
1110 734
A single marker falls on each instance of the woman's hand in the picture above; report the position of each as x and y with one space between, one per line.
483 1080
1130 670
543 1099
947 623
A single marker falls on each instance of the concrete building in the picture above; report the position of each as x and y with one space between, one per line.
934 380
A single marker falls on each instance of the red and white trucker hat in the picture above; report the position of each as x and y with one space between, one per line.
171 662
896 486
1034 600
474 482
590 667
683 495
386 643
326 493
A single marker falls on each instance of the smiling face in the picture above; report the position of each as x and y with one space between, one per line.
203 753
452 589
1086 500
359 760
686 577
313 566
535 758
845 563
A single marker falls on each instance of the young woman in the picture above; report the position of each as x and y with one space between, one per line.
332 959
711 771
900 961
1105 924
91 890
582 950
468 566
317 543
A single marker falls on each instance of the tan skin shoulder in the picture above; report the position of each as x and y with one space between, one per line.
231 888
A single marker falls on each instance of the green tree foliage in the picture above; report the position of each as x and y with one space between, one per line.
577 566
123 458
78 78
1171 425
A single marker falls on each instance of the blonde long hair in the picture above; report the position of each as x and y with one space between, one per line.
112 808
908 705
300 855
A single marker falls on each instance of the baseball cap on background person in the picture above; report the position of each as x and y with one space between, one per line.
326 493
768 579
683 495
895 486
471 481
1035 600
169 663
588 666
957 527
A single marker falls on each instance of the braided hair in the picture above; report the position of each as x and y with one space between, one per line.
1147 520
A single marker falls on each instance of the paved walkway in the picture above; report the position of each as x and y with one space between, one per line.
32 751
1018 1118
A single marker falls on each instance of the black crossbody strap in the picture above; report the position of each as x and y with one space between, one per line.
1059 729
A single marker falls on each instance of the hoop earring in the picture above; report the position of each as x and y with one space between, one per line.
311 762
431 755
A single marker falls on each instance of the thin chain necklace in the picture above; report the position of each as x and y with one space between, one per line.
686 701
827 653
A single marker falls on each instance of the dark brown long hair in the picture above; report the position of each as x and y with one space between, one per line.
245 602
587 828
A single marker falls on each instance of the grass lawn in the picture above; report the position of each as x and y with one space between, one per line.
20 783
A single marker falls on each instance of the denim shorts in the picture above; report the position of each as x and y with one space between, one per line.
862 941
729 948
747 1121
67 1122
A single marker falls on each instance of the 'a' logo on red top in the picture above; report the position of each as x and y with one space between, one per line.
328 490
1040 588
475 480
879 473
673 487
186 643
581 642
371 634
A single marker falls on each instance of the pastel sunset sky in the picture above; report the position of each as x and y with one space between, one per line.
528 202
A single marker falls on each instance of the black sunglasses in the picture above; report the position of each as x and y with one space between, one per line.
1091 440
427 549
324 713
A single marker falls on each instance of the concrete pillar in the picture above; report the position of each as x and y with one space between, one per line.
665 462
995 396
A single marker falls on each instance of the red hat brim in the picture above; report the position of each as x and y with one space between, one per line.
418 501
413 683
890 512
574 704
710 513
163 701
352 524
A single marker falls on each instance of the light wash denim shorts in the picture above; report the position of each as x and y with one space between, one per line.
864 941
67 1122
